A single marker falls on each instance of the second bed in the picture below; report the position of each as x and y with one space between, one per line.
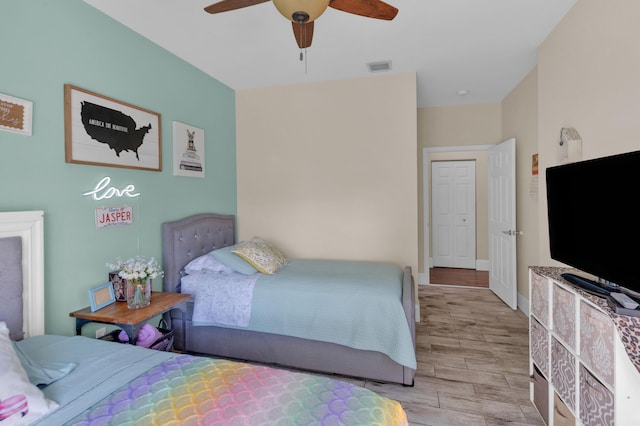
360 314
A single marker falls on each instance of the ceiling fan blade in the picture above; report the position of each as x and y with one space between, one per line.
303 33
369 8
227 5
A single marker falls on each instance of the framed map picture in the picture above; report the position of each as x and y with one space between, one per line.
188 150
105 132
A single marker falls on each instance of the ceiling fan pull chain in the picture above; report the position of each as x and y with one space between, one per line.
305 49
300 29
303 56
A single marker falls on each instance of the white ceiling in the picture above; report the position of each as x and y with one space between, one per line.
483 46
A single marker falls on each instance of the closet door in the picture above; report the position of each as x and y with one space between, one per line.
454 214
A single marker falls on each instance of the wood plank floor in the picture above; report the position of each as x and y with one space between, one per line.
459 276
472 355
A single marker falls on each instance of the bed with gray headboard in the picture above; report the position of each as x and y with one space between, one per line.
186 239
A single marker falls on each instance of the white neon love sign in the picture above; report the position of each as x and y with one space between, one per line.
100 193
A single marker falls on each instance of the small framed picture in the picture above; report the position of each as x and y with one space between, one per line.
188 150
15 115
101 296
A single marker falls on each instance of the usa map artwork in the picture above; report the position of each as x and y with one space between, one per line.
106 132
113 128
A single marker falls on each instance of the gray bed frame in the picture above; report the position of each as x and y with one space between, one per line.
185 239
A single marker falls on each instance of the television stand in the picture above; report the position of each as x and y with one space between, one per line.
584 361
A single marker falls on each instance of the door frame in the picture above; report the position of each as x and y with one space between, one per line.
426 190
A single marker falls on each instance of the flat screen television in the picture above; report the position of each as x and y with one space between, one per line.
594 219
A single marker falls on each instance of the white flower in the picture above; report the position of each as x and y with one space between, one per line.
136 268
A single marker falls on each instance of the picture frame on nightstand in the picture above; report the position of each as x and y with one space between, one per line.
119 286
101 296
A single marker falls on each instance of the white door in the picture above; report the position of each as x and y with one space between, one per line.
502 222
454 214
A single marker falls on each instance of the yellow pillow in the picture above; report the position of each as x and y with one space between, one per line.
267 247
261 255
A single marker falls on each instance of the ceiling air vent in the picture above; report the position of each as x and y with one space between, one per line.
379 66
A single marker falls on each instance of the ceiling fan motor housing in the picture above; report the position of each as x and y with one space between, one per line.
301 11
300 17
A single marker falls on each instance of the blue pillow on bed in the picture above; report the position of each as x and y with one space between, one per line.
45 373
207 263
233 261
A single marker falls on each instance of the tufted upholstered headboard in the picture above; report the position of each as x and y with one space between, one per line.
11 286
23 281
185 239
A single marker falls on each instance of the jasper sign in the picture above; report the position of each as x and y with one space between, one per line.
106 132
113 216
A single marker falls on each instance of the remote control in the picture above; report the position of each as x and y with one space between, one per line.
586 284
625 300
630 293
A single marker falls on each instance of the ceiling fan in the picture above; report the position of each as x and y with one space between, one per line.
303 13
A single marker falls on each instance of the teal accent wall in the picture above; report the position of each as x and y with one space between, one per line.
49 43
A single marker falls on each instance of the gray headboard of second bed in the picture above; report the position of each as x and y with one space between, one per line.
185 239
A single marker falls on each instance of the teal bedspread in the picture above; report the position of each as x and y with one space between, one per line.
116 384
102 368
355 304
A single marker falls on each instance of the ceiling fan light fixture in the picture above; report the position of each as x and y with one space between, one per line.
295 10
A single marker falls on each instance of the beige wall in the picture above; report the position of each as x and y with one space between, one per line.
454 127
589 78
460 125
520 121
327 170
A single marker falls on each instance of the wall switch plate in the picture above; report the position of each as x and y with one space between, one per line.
101 332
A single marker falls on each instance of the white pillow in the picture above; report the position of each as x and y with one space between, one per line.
206 263
16 392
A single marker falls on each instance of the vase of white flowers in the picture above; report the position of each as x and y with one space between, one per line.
139 273
138 293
